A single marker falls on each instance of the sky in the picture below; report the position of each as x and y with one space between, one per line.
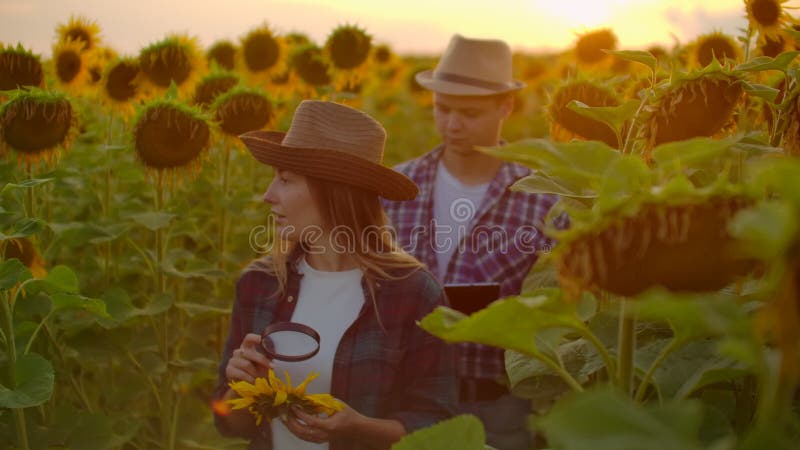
408 26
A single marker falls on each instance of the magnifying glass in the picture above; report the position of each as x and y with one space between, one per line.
289 341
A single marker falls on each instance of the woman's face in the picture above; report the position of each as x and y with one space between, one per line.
296 215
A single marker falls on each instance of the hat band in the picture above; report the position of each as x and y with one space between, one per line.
452 77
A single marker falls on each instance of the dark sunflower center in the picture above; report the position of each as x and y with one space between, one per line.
261 52
589 48
32 126
349 48
223 55
120 85
382 54
244 112
168 138
766 12
310 66
575 123
17 70
207 92
22 249
168 64
68 66
718 47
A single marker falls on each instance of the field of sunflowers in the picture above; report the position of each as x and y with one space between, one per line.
668 315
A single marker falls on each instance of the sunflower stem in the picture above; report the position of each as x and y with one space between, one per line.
626 149
11 352
223 212
30 197
626 343
673 345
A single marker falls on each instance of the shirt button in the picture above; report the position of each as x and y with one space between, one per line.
290 299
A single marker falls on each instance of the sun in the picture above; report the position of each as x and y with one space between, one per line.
576 13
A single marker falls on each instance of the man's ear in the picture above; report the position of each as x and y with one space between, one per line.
507 105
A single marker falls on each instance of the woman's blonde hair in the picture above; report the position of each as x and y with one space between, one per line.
355 218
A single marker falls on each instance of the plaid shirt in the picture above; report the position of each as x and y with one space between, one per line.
501 243
402 373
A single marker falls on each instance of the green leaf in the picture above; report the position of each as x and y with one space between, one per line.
63 301
767 230
691 152
640 56
625 178
760 90
602 419
461 432
24 184
613 116
24 228
153 220
587 159
34 380
63 278
511 323
541 184
12 271
761 63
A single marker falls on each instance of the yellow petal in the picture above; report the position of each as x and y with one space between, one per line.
288 381
262 386
243 388
240 403
275 382
301 389
325 402
280 398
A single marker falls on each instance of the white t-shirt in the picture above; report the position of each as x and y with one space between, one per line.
454 207
328 302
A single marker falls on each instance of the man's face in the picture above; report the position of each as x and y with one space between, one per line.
466 121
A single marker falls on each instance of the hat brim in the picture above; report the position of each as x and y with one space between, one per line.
427 80
328 164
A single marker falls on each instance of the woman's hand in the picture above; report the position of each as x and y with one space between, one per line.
322 429
246 362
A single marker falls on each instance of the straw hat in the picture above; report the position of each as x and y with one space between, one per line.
472 67
333 142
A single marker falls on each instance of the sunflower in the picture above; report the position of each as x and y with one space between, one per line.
297 38
680 245
121 84
566 124
262 52
24 250
590 46
382 54
80 29
790 138
176 58
768 17
169 135
691 105
270 397
772 47
18 68
242 109
212 85
36 124
714 45
309 63
71 65
223 54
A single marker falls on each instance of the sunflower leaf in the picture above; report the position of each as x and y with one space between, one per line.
23 228
761 63
12 271
34 379
613 116
24 184
153 220
691 152
760 90
640 56
462 432
541 184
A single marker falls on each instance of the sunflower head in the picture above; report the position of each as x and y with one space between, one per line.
242 109
212 86
71 65
82 30
297 38
348 46
590 45
768 17
121 81
169 135
309 63
18 68
174 59
567 124
772 47
261 50
790 140
24 250
36 124
682 245
382 54
223 54
692 105
712 46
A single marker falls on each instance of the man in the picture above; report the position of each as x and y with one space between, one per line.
465 224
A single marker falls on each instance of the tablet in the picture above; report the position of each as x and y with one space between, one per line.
471 297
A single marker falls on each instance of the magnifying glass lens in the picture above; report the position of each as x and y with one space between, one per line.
289 341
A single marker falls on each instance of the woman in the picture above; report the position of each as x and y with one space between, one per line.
338 270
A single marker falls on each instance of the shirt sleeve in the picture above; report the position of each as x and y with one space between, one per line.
241 318
429 395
